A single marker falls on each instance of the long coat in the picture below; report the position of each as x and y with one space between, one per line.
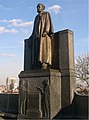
41 46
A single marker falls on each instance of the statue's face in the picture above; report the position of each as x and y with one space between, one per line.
39 8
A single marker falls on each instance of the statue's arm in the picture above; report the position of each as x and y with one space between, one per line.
39 89
49 26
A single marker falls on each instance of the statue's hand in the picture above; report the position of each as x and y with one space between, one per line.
52 34
44 34
39 89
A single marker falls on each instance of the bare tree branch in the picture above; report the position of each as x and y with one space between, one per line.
82 68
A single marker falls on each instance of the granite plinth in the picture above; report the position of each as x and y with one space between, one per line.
34 79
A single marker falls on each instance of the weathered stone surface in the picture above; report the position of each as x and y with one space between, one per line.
9 103
76 110
61 84
27 55
33 80
34 105
63 59
66 66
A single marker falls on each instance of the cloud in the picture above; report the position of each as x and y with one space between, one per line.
24 30
20 23
8 55
3 20
11 31
55 8
5 30
2 29
5 8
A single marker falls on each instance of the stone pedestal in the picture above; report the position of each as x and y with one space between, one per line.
39 104
66 65
61 84
63 59
27 55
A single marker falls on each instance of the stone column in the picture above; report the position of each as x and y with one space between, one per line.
63 59
27 55
66 65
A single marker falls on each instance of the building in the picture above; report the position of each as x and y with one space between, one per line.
10 83
2 88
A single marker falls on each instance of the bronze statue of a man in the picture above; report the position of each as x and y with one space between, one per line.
41 38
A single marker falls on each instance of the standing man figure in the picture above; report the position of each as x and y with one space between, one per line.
41 39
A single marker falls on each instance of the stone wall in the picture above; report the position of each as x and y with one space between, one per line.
9 103
78 109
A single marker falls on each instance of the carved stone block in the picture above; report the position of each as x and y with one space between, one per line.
43 96
34 105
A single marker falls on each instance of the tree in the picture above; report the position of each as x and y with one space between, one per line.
82 70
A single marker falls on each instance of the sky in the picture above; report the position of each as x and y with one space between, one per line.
16 24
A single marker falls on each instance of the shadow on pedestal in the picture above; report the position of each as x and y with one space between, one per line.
78 109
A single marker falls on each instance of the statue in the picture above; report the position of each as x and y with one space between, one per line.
41 39
45 98
23 96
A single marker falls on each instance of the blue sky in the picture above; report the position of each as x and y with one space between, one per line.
16 23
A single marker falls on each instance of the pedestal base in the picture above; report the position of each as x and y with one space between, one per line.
42 93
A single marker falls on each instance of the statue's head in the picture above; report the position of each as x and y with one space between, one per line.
40 8
45 82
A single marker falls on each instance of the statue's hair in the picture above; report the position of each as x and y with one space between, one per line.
42 5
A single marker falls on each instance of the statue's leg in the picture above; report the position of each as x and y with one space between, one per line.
21 109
